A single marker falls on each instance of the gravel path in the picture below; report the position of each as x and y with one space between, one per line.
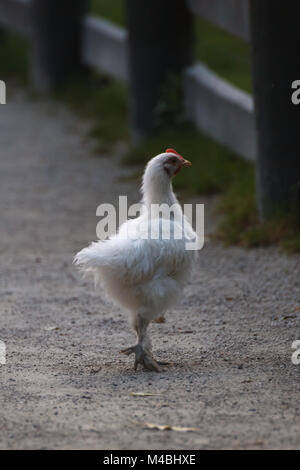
65 385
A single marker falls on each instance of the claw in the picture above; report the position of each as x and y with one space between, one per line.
128 351
163 363
160 319
142 357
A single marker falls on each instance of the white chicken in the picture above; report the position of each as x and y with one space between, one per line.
145 266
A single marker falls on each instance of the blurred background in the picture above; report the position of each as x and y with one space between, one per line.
94 89
175 74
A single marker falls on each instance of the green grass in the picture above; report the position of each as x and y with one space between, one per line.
224 53
14 58
241 224
214 167
104 102
110 9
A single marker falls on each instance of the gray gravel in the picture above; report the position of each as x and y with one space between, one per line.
68 387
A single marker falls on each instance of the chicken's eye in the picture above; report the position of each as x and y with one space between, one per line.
173 160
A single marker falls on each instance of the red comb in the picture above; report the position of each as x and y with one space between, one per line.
174 151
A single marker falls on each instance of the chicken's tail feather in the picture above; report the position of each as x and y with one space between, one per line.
91 259
86 257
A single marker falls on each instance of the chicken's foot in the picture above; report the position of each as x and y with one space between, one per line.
142 357
160 319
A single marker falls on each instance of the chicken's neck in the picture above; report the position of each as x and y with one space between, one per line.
158 191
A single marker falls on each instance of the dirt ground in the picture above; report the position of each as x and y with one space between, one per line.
64 384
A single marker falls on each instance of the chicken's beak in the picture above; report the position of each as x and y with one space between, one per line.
186 163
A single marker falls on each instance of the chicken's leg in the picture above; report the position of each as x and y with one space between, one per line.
142 349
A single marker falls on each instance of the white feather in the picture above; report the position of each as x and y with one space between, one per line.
140 273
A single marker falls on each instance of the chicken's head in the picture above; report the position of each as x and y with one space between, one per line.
157 186
173 162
